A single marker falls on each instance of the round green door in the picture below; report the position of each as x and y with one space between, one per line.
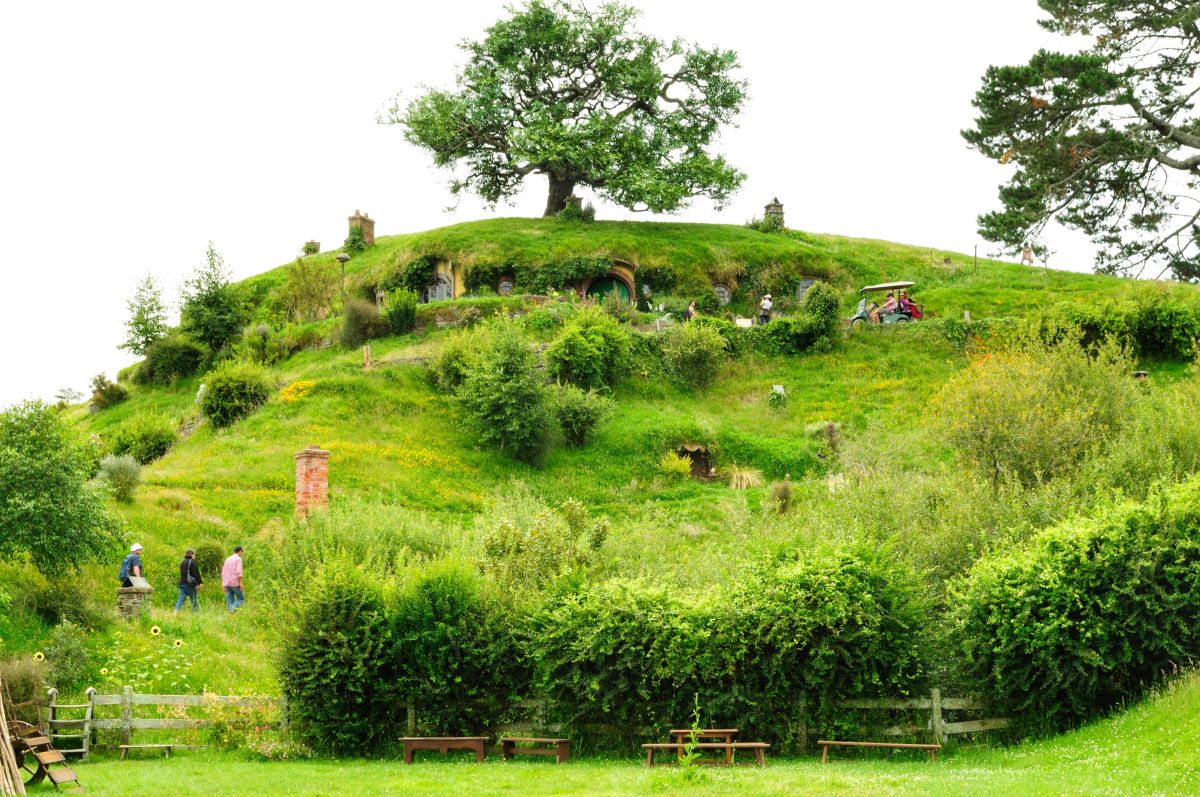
606 285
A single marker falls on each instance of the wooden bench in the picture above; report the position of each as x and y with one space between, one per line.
729 748
827 743
560 750
125 748
443 744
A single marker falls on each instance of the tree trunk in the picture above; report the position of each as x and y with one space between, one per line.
560 189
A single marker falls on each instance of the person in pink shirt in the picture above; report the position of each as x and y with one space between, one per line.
231 579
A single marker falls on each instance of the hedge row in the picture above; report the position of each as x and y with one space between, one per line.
783 647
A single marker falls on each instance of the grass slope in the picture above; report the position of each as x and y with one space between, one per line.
1148 750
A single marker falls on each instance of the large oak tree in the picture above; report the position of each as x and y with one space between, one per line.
585 99
1106 139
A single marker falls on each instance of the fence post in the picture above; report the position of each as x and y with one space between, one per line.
412 718
802 734
126 714
89 713
935 697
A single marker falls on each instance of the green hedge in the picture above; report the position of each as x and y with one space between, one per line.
780 649
1087 615
1155 325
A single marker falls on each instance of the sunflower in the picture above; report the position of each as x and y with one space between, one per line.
178 643
155 630
39 656
104 671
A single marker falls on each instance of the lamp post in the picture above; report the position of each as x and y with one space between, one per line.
342 258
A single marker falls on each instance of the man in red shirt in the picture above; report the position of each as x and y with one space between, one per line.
231 579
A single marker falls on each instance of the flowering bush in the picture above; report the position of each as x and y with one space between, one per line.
296 390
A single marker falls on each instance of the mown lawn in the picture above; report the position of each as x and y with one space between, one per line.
1147 751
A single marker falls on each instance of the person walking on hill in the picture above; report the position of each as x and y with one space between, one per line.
189 581
690 313
231 579
131 565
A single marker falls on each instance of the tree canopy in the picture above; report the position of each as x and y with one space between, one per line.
211 310
585 99
1105 140
48 510
147 317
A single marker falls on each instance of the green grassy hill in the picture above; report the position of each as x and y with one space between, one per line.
403 458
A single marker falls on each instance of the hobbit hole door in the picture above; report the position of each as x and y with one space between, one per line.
602 287
441 288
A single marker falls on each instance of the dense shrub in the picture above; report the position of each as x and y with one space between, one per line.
355 241
261 345
527 544
822 303
1154 325
209 558
504 397
453 651
145 438
361 323
1037 411
67 655
122 474
574 359
579 412
106 394
402 310
337 669
234 391
1089 613
308 289
168 359
62 600
781 648
695 354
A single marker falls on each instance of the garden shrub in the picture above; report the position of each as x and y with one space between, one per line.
61 600
106 394
527 544
823 304
457 357
504 397
454 651
122 474
145 437
233 391
695 354
337 670
575 360
1154 325
579 412
361 323
355 242
67 655
308 289
1037 411
798 635
1088 614
402 310
674 465
261 345
168 359
209 558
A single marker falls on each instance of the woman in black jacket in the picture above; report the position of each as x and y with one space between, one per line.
189 580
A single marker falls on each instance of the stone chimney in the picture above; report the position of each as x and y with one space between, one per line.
366 223
774 209
312 480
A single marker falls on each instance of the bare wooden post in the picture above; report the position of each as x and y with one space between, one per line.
967 316
89 733
939 734
284 722
367 357
126 714
412 719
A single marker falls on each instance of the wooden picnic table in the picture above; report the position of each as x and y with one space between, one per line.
723 735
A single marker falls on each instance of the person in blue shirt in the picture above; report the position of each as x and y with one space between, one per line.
131 565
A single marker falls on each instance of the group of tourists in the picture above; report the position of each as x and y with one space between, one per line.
764 309
190 579
895 303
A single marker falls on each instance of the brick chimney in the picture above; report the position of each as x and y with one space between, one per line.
774 210
312 480
366 223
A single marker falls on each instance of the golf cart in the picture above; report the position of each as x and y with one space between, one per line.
870 312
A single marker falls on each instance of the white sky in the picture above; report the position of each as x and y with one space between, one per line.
132 133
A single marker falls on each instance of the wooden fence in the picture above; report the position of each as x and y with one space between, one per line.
936 705
89 721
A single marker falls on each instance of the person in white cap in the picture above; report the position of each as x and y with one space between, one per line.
131 565
764 309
